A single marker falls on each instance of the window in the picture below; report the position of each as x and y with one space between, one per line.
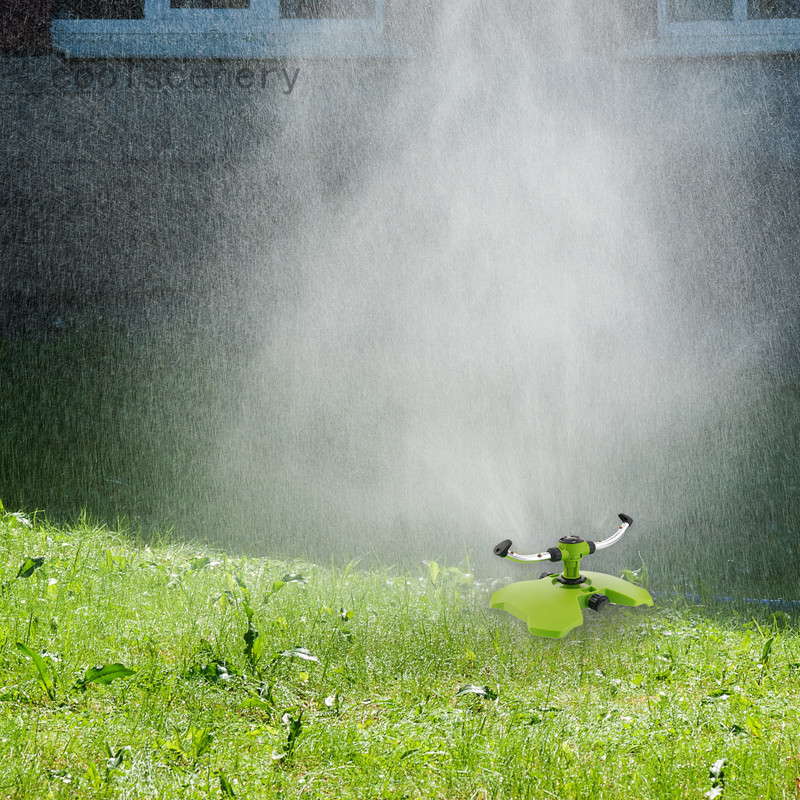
209 4
698 10
725 27
98 9
773 9
327 9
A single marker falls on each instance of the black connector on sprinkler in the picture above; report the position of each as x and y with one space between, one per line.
503 548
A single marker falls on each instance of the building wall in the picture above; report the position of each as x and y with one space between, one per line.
131 187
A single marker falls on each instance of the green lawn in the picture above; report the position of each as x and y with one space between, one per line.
168 671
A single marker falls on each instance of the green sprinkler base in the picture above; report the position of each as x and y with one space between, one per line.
551 608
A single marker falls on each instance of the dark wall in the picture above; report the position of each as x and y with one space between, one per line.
25 26
130 197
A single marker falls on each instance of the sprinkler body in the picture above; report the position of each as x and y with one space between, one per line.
553 605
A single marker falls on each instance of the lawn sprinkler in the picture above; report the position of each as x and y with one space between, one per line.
552 606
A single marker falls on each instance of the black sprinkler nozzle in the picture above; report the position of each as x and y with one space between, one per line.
503 548
626 519
597 602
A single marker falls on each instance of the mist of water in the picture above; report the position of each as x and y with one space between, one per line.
506 287
501 321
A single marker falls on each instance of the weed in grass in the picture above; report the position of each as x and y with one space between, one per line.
46 678
103 674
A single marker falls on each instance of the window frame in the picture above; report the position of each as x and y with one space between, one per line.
231 28
739 25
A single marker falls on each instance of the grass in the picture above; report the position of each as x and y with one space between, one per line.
129 671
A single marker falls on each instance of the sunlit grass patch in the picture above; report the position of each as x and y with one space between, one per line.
172 671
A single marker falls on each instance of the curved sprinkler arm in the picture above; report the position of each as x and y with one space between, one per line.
503 550
617 535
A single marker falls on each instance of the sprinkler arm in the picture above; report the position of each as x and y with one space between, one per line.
503 550
617 535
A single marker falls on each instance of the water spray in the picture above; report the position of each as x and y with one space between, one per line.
552 605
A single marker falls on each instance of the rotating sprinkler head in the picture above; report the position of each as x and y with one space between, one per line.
552 606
